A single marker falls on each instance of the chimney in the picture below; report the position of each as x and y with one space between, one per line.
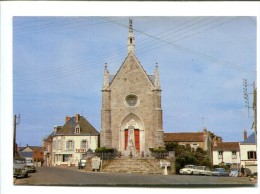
77 117
215 141
245 134
67 119
205 131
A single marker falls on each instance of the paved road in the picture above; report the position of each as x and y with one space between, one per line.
74 177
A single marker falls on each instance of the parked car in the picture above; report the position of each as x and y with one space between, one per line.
220 172
248 172
82 164
234 172
19 168
30 166
202 170
188 169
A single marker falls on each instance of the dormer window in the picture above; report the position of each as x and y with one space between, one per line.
77 129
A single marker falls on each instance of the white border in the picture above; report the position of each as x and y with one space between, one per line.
36 8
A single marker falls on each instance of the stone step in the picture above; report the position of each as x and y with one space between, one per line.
141 166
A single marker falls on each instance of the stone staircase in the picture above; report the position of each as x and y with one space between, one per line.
133 165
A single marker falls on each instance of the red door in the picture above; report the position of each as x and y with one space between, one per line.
137 140
126 138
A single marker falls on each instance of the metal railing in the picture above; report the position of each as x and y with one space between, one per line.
160 155
106 156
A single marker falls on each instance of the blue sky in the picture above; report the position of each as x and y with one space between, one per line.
58 65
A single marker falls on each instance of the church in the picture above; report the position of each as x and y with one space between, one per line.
131 115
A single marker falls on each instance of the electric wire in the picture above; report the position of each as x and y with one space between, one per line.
74 69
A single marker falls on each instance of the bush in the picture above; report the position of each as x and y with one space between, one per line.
104 150
191 160
158 150
206 162
179 163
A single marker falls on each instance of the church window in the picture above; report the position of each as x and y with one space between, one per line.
131 100
130 40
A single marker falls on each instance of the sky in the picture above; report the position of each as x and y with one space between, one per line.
53 66
58 65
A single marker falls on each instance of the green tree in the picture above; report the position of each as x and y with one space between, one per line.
184 155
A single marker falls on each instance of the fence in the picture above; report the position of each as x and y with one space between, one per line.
160 155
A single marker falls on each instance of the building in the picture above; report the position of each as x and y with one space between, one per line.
194 139
131 115
248 152
72 140
47 147
226 153
33 152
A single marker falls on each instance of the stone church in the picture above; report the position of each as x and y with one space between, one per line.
131 115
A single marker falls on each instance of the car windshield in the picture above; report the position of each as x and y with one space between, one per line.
189 166
19 161
219 169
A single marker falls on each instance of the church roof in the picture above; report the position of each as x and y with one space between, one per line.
151 78
184 137
111 77
69 128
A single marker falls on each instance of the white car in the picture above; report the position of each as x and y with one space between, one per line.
188 169
202 170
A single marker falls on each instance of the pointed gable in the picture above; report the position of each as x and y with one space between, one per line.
131 66
85 127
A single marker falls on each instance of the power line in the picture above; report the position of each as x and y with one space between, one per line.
207 57
68 70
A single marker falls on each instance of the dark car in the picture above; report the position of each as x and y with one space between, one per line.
248 172
82 164
220 172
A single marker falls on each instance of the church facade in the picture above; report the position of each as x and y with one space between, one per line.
131 115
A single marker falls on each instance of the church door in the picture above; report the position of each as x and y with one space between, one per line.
126 138
137 139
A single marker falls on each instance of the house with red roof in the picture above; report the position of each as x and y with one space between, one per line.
226 153
194 139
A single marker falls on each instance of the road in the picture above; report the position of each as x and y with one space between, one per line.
71 176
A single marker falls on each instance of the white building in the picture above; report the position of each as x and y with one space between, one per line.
72 140
226 153
248 152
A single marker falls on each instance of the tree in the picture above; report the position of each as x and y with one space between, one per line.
186 155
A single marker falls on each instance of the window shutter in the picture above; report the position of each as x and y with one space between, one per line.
67 145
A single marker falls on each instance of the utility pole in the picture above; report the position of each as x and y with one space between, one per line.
16 122
254 104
